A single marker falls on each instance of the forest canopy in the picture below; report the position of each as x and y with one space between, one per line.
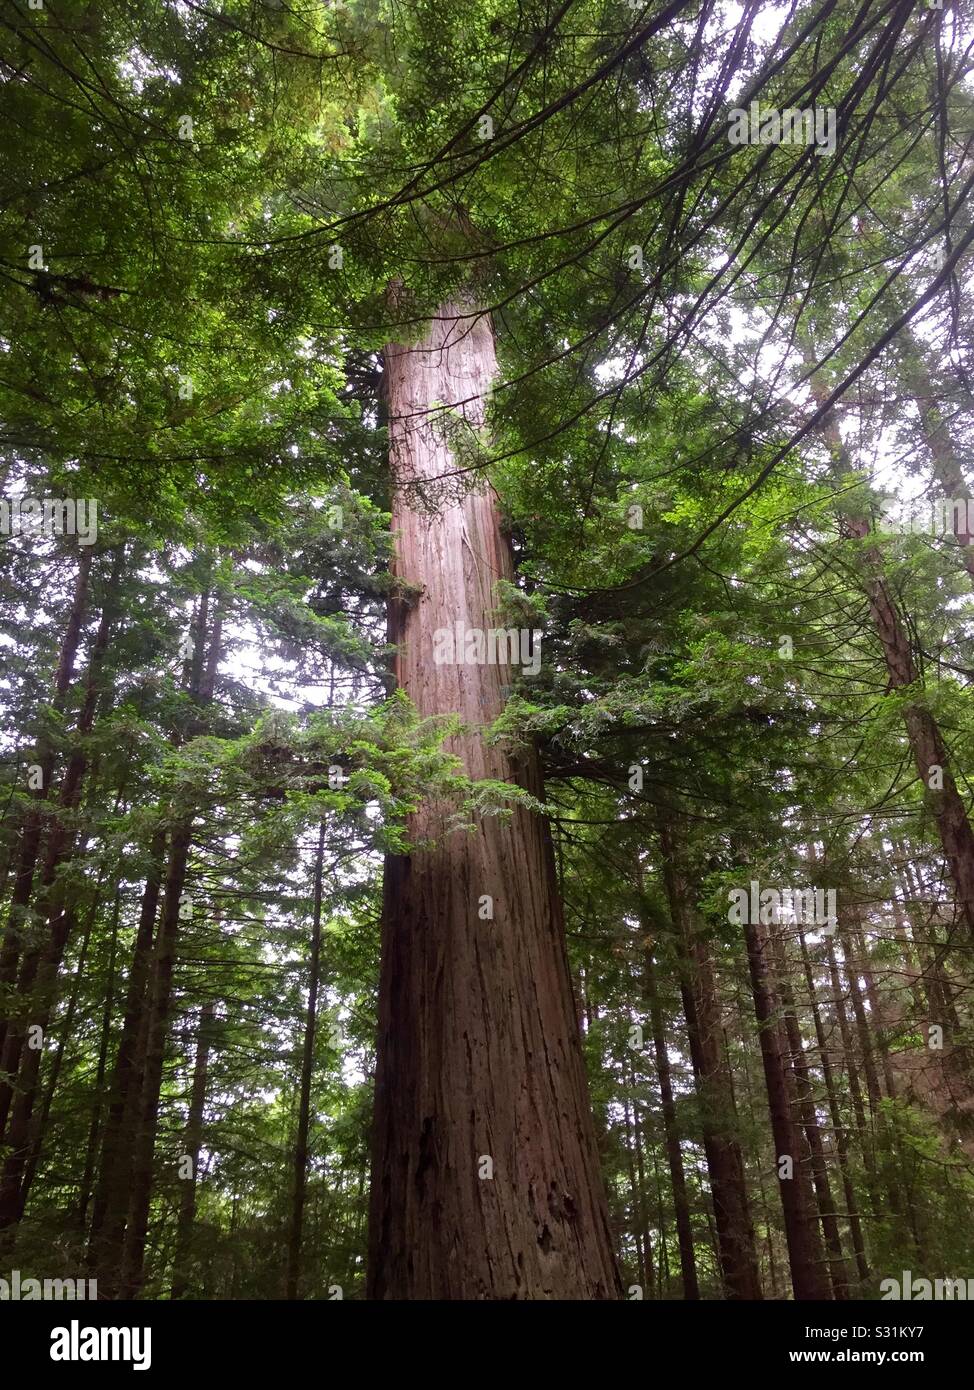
486 572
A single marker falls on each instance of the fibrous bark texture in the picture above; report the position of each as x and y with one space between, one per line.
486 1181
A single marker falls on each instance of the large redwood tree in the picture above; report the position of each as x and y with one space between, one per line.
485 1173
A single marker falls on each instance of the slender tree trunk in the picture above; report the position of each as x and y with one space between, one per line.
745 1032
926 741
805 1254
805 1092
91 1147
192 1144
30 839
203 671
681 1205
835 1114
855 938
866 1046
644 1265
307 1074
912 970
932 1001
940 992
39 1121
485 1172
141 1168
38 977
111 1191
864 1130
664 1258
732 1213
642 1209
945 460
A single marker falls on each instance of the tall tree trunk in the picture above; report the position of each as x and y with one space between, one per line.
307 1074
940 992
681 1205
835 1114
944 457
725 1163
645 1271
855 938
664 1257
867 1050
805 1092
30 838
94 1128
117 1142
203 670
912 970
37 980
745 1033
192 1144
147 1105
926 740
39 1121
642 1207
805 1254
485 1172
864 1130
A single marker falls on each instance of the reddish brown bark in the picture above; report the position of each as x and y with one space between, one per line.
37 978
30 840
203 671
478 1056
929 752
39 1120
927 745
674 1155
141 1165
805 1092
725 1163
111 1191
805 1255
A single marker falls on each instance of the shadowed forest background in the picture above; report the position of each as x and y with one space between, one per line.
331 970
